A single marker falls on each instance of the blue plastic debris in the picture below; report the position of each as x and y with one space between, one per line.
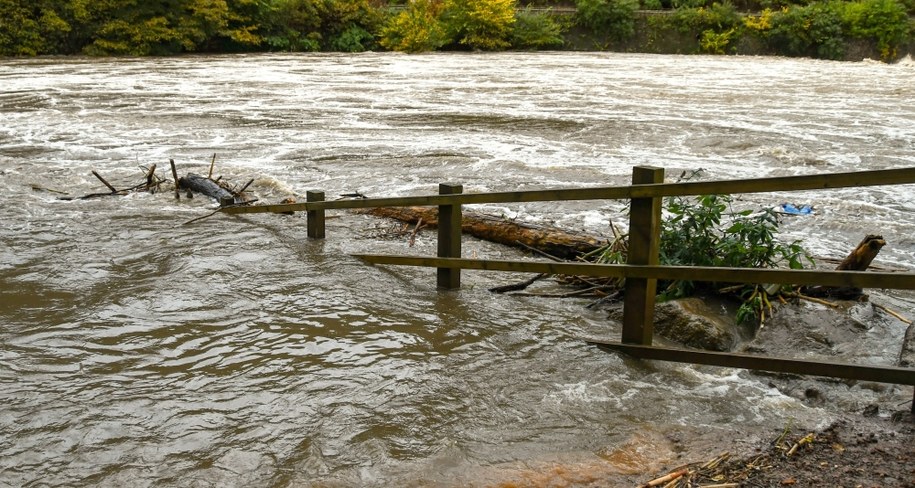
796 210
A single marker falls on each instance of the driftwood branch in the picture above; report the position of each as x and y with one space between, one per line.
103 180
859 259
175 175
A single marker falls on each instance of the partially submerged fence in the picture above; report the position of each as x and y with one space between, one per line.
642 269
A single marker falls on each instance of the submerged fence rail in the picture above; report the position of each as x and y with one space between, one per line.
642 269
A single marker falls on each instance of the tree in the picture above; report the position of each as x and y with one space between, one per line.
480 24
350 24
615 18
415 29
535 30
293 25
29 28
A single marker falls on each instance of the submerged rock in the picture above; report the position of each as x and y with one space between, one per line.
907 355
811 331
695 322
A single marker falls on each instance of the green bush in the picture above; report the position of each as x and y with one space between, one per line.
535 30
694 235
884 21
614 18
348 25
718 18
479 24
415 29
814 30
293 25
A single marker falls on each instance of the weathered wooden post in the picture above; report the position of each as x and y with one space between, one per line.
449 237
315 218
644 246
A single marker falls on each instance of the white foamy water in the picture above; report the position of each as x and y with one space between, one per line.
236 352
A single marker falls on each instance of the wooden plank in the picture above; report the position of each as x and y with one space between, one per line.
880 374
757 185
859 279
644 242
277 208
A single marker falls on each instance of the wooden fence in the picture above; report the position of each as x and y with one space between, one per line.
642 269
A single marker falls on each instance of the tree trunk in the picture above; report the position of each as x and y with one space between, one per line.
549 240
207 187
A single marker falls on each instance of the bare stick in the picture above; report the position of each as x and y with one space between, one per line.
213 163
817 300
175 176
419 225
892 312
150 176
245 187
665 479
201 218
538 251
570 294
518 286
113 189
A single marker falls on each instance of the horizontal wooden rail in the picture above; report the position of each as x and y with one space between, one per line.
757 185
857 279
880 374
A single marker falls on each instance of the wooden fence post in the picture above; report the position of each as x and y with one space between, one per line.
315 218
449 237
644 245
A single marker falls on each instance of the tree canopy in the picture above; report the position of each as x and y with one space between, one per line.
817 28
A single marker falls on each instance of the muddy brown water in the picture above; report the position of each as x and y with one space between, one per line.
236 352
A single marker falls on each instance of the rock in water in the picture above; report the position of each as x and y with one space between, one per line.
695 323
907 356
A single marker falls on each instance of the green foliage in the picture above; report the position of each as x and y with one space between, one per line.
415 29
615 18
161 27
885 21
715 42
693 235
293 25
349 25
718 18
29 28
814 30
535 30
479 24
158 27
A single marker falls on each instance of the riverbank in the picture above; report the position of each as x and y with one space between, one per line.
856 450
657 32
847 450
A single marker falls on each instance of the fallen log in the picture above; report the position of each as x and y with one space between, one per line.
549 240
208 187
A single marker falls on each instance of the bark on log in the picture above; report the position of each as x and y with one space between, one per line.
207 187
495 229
857 260
861 257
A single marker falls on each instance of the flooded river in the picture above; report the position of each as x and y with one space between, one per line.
233 351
